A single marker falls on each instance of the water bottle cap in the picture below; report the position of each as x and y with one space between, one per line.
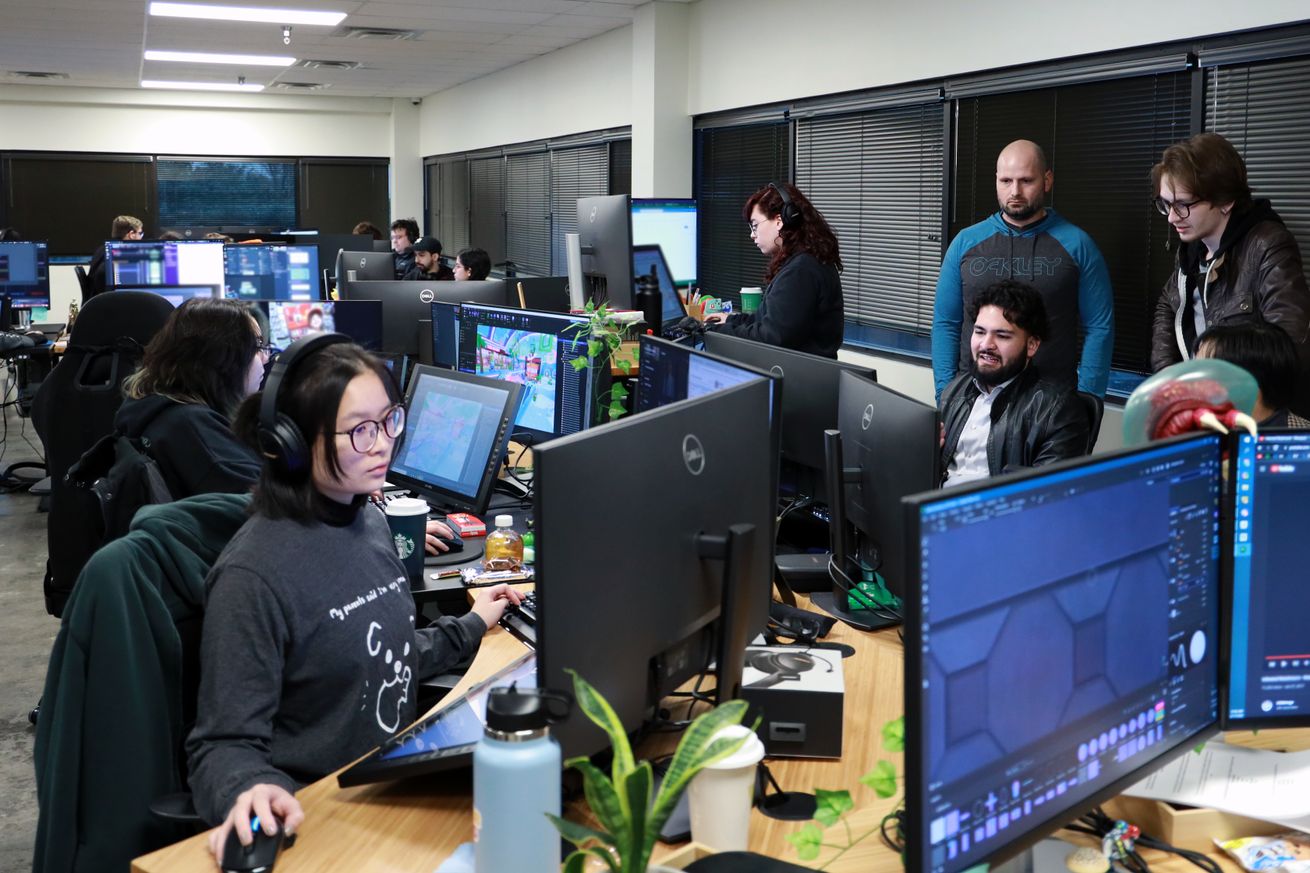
504 521
510 710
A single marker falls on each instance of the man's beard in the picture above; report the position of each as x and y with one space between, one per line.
1027 212
996 377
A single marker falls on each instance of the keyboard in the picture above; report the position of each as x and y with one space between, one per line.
521 620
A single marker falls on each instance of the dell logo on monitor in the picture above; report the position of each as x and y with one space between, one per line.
426 295
867 418
591 219
693 454
363 262
777 371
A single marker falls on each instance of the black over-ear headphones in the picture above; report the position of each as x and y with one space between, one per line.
791 213
781 666
279 437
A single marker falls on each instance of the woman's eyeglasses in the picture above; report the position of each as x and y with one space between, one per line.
364 436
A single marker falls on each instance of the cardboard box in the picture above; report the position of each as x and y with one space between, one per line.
798 692
1187 827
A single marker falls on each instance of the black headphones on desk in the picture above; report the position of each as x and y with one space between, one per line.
791 213
280 439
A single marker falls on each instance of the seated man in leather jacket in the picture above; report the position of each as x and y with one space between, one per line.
1002 415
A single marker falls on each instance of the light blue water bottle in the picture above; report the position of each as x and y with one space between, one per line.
516 781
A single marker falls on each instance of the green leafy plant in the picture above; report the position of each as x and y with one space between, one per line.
630 812
605 333
832 806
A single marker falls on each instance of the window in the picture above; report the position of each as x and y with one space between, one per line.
527 212
448 203
582 171
217 193
335 195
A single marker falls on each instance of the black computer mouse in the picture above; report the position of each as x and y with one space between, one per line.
258 857
455 543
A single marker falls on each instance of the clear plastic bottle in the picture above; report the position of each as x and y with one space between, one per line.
504 548
529 545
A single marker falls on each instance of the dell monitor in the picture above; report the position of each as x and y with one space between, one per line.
272 272
605 234
1267 644
670 224
365 266
25 275
136 263
456 430
1059 644
177 294
361 320
405 304
536 350
648 572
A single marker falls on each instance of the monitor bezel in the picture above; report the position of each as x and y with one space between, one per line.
914 824
109 244
40 299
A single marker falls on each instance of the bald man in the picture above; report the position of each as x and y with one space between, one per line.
1026 240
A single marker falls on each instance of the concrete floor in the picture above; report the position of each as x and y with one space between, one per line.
26 635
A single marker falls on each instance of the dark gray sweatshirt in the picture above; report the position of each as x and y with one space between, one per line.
309 656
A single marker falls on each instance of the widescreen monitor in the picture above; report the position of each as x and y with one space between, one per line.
647 260
25 274
457 427
670 224
256 271
1060 642
163 262
669 372
361 320
366 266
1266 637
605 234
405 304
536 350
177 294
633 589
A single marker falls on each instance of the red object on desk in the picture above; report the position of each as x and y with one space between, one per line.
467 525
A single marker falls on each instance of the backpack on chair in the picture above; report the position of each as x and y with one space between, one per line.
123 476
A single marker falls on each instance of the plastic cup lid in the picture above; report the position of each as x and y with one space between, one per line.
407 506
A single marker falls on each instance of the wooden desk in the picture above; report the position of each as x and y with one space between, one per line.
415 825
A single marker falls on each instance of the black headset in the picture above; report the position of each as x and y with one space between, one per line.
781 666
280 438
791 213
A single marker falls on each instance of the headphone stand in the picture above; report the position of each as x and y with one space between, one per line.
782 805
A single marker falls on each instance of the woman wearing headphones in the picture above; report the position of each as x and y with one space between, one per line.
310 655
802 305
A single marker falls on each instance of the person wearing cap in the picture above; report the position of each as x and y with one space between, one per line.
427 262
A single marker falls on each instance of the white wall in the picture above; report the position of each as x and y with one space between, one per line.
586 86
748 52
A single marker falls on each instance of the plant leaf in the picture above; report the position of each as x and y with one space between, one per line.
882 779
637 788
831 805
594 347
616 410
605 802
695 751
618 392
579 364
807 841
602 715
893 735
579 834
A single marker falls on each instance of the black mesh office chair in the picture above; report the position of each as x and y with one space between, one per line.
75 407
83 281
1095 407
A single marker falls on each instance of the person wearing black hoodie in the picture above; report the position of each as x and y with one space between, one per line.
1237 260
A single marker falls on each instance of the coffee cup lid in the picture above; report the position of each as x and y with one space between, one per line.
407 506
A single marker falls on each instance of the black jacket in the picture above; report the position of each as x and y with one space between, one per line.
95 274
404 262
801 309
443 274
1034 422
193 445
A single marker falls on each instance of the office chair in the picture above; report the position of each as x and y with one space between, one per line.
75 407
83 281
1095 407
121 688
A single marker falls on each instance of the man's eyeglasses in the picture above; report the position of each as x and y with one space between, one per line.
1181 208
364 436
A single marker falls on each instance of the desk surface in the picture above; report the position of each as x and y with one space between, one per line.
415 825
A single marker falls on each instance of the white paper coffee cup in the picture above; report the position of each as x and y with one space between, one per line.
722 795
408 519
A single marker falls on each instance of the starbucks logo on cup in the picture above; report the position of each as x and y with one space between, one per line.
404 546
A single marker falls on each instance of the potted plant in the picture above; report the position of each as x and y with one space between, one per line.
629 811
606 335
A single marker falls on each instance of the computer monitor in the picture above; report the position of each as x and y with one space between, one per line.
1059 642
288 321
605 234
329 244
137 263
177 294
536 350
669 223
633 589
25 274
263 271
404 304
365 266
811 392
456 429
6 312
445 335
1265 637
647 260
669 372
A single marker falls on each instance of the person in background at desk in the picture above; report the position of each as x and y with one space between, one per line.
125 227
427 262
1003 415
367 228
472 264
1266 352
404 233
310 654
802 306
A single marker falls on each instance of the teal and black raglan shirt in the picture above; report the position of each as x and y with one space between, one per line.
1057 258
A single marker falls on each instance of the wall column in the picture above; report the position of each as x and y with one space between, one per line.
661 127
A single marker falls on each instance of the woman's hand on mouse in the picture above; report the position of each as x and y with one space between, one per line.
438 531
272 803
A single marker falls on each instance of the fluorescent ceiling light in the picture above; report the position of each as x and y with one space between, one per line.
246 13
200 86
209 58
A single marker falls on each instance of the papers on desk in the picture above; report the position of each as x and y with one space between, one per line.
1257 783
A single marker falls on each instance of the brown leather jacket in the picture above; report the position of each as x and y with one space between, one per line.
1256 274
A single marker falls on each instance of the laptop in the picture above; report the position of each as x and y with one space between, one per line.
648 257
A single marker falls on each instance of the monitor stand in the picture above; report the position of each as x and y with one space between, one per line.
1048 855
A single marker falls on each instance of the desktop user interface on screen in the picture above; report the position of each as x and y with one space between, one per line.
271 272
163 262
1062 636
671 225
25 274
